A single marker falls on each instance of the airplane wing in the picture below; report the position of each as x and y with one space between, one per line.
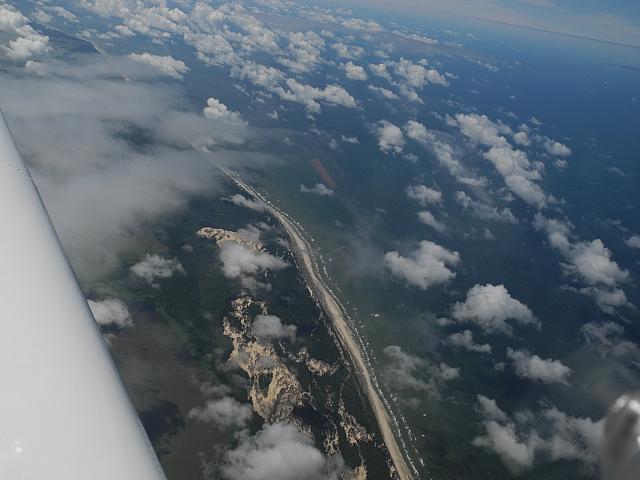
64 412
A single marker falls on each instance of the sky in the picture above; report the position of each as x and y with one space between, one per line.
611 20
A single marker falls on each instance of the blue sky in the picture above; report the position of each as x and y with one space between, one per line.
614 20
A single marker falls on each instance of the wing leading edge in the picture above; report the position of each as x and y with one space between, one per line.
64 413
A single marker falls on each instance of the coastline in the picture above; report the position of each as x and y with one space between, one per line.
332 308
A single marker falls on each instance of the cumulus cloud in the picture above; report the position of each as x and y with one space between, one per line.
217 110
521 138
538 369
380 70
240 262
304 51
490 307
556 148
279 451
633 242
165 64
517 454
351 140
355 72
465 340
154 267
267 328
26 42
243 201
418 132
589 263
427 218
592 262
518 172
443 151
385 92
63 13
310 96
424 195
225 412
111 312
445 154
291 90
390 138
344 50
609 340
409 372
319 189
520 441
416 75
484 211
425 267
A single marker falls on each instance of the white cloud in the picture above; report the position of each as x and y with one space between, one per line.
41 17
490 306
633 241
348 51
390 138
556 148
27 42
610 340
607 299
588 262
418 132
410 372
267 328
380 70
74 123
592 262
154 267
63 13
243 201
424 195
225 412
385 92
513 165
527 437
443 152
517 454
318 189
111 311
425 267
427 218
243 263
538 369
305 51
445 155
521 138
490 410
282 452
310 96
351 140
165 64
416 75
216 110
290 89
465 340
355 72
484 211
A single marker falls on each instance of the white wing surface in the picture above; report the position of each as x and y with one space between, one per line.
64 413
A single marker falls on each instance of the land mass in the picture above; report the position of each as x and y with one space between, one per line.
308 264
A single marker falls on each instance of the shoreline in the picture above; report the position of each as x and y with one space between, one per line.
332 308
